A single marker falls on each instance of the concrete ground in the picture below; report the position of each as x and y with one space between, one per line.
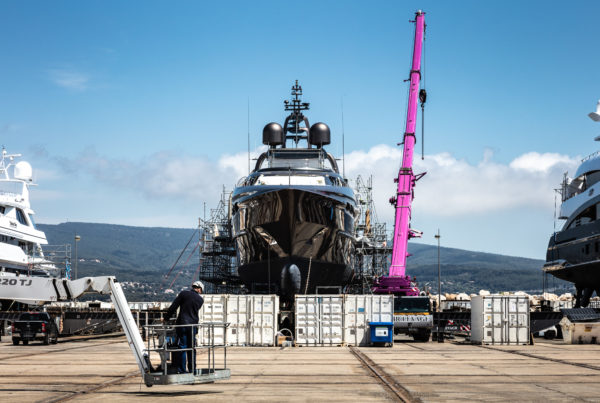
104 369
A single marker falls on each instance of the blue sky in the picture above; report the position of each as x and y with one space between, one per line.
136 112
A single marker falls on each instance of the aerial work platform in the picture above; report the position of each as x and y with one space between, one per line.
162 341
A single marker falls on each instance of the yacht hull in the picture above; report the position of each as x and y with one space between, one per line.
292 240
574 255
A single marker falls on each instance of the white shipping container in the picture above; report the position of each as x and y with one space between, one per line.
359 310
319 319
263 321
500 319
252 320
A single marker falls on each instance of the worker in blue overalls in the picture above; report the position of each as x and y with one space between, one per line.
189 303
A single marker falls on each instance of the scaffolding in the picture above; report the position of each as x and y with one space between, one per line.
218 259
373 248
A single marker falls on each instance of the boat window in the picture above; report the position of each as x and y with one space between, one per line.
2 209
592 177
585 217
576 186
31 220
21 217
298 159
11 187
282 180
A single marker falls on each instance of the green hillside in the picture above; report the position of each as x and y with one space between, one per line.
144 255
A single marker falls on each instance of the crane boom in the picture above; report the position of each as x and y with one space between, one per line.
397 282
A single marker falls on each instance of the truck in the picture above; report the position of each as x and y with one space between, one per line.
413 316
32 326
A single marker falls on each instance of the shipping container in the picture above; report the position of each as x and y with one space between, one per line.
252 320
359 311
319 320
500 319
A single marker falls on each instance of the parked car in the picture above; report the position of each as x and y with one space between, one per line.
34 326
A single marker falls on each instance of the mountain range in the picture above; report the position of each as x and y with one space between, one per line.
141 258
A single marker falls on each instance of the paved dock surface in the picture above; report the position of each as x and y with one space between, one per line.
104 369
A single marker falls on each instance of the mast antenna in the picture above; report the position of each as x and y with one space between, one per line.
248 135
343 142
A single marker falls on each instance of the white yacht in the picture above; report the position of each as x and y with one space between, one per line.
20 242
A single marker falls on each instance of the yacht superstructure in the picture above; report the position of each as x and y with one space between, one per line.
293 216
20 241
574 251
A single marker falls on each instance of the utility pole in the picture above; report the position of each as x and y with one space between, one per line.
77 238
438 236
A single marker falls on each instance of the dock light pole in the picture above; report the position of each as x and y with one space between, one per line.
77 239
438 236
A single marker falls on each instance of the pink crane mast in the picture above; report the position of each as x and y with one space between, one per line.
397 282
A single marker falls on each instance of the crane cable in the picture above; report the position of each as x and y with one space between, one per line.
183 266
177 260
423 95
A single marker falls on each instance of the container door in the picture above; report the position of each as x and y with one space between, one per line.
307 326
264 313
213 310
331 319
238 318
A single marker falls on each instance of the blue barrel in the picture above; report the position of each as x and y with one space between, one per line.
382 333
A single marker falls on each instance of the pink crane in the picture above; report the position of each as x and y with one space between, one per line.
397 282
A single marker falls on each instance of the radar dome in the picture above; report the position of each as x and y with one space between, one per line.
273 134
319 134
23 171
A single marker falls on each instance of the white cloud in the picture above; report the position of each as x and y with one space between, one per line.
70 79
165 174
454 187
536 162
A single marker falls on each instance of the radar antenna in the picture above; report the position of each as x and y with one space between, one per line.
296 117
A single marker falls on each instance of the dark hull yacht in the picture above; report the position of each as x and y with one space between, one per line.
293 216
574 251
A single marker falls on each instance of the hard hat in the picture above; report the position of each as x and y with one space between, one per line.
198 284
